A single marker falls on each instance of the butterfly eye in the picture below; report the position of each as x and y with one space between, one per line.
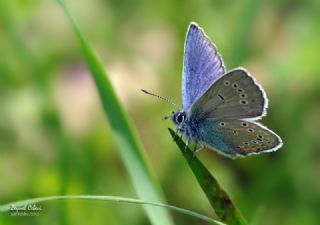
180 117
222 124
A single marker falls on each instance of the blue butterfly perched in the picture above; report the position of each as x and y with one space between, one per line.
220 109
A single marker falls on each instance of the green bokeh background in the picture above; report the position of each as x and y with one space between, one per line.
55 138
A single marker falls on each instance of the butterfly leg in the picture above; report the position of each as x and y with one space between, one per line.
175 135
196 150
201 146
187 143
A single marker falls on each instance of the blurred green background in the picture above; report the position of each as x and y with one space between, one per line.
55 138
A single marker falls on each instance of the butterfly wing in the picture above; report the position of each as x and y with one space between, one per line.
234 138
236 95
201 67
219 104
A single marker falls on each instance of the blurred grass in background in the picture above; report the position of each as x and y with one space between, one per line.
55 139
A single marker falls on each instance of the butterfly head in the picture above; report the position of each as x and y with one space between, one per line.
179 118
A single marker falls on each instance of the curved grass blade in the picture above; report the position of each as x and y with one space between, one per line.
218 198
6 207
129 146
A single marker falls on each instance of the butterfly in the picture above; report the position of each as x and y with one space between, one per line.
220 109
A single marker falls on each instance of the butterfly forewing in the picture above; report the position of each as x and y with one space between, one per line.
201 67
238 137
236 95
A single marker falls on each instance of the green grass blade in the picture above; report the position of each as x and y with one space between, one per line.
218 198
6 207
129 146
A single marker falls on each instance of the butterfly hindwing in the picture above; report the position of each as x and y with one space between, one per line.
236 95
238 137
201 67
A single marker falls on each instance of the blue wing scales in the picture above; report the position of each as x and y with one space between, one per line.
202 66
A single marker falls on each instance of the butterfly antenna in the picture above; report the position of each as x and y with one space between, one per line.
165 99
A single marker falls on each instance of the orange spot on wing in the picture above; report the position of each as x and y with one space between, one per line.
254 148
